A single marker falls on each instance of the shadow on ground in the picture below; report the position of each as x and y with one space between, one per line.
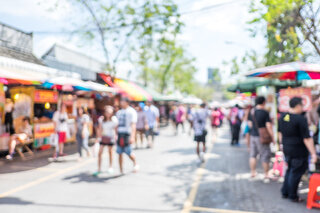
13 201
39 160
89 178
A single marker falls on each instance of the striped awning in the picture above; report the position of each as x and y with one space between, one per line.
128 88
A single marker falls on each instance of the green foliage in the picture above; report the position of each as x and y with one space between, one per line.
121 28
249 61
171 68
204 92
287 25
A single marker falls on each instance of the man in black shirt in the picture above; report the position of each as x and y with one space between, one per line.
296 140
259 118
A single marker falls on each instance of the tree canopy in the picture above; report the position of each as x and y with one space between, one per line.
290 27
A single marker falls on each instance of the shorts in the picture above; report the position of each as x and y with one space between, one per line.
62 137
258 148
150 132
126 149
141 131
200 138
107 144
214 125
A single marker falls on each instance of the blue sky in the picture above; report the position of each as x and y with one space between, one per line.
207 34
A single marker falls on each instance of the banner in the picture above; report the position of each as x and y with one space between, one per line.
287 94
43 96
43 130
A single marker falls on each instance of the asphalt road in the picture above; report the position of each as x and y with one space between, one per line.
170 180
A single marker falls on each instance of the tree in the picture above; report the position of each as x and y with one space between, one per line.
204 92
290 27
122 26
172 67
249 61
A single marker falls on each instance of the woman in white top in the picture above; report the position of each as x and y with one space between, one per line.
107 136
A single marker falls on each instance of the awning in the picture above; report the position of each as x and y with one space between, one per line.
66 84
130 89
12 76
99 87
135 92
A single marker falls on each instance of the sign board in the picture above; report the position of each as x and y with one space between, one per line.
43 130
43 96
287 94
2 103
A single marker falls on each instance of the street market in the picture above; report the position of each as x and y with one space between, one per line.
160 106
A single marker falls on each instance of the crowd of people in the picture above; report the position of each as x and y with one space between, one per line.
136 125
296 140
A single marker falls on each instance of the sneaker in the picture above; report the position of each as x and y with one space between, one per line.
202 159
136 168
96 174
110 171
266 180
9 157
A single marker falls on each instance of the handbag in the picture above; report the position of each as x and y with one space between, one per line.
264 135
106 140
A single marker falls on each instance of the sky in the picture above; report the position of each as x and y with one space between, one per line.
212 36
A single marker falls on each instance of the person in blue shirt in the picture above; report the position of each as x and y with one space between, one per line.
152 113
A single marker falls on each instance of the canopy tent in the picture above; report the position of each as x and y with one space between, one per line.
295 71
134 91
250 84
128 88
192 100
66 84
12 76
99 87
156 96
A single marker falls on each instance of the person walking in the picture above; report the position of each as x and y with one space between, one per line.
107 136
297 144
60 119
199 118
152 113
180 118
82 134
215 122
221 116
142 125
259 119
126 130
235 124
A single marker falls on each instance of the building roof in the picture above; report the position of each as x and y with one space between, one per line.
68 56
17 44
23 56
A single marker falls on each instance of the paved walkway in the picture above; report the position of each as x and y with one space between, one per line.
170 180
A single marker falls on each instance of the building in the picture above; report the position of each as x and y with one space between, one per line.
62 58
213 76
17 60
17 44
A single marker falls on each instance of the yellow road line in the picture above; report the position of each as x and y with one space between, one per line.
194 187
202 209
43 179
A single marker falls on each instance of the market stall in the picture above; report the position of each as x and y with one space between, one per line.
39 105
4 136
